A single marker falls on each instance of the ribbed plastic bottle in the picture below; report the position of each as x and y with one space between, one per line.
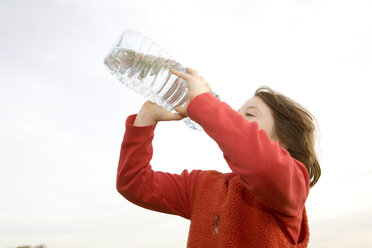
143 66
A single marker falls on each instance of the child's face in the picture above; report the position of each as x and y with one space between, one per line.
254 109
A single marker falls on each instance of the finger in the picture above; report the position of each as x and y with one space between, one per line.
181 111
178 116
192 71
181 74
169 116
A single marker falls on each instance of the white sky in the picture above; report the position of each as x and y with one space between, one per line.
63 115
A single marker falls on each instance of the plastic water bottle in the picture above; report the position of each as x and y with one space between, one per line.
143 66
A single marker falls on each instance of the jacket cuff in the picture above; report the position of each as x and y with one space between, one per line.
199 105
137 130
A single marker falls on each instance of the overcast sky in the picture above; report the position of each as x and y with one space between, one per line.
63 114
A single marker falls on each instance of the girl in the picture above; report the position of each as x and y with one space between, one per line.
269 146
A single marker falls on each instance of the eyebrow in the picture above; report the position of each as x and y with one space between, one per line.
250 107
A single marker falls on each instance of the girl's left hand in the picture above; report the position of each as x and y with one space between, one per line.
196 86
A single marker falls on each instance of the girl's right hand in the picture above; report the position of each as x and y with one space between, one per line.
151 113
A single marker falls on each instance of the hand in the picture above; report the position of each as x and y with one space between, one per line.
196 86
151 113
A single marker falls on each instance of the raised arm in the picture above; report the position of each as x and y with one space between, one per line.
266 169
139 184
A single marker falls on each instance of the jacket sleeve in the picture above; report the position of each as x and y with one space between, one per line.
139 184
265 169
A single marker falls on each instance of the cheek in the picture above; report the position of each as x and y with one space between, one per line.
262 126
265 125
270 132
268 127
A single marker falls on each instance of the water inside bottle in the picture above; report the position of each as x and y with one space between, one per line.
149 76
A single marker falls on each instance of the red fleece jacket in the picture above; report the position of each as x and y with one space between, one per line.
268 181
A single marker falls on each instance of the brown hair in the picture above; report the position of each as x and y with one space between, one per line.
295 128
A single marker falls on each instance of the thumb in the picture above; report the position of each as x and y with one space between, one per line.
170 116
181 111
178 116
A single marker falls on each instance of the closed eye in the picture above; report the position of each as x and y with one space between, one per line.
248 114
